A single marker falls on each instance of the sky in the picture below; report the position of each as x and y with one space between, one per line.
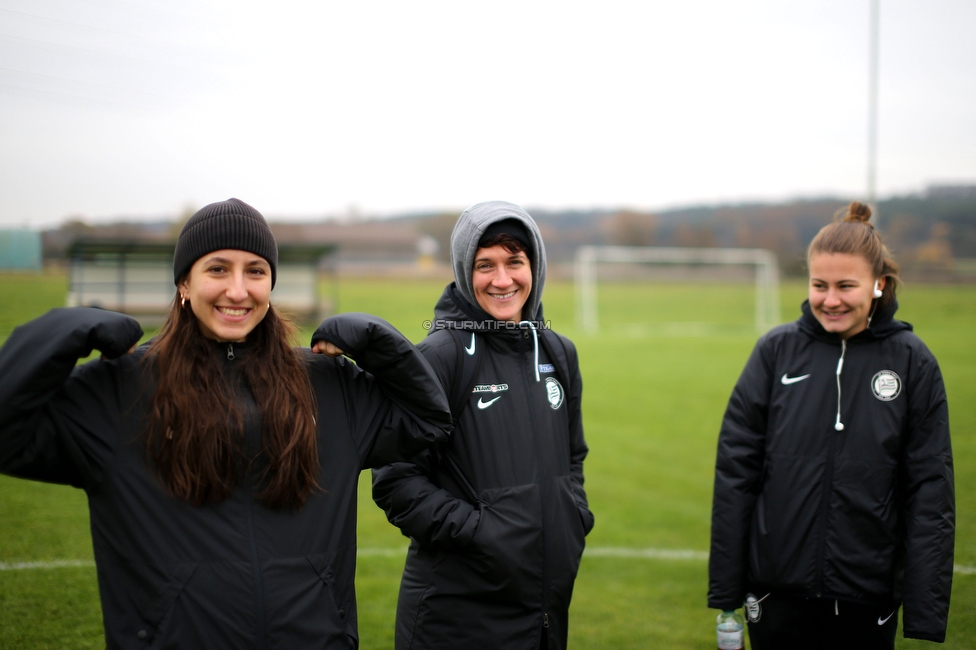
145 109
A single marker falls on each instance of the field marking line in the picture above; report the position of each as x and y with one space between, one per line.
645 553
622 552
367 551
687 554
45 564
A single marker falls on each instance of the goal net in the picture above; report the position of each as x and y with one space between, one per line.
676 290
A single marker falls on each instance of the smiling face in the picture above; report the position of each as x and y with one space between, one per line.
502 281
841 292
229 292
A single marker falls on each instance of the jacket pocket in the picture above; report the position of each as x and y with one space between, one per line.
208 604
761 515
785 522
566 531
863 541
304 606
155 619
586 518
505 553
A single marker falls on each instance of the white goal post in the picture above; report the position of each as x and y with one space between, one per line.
587 257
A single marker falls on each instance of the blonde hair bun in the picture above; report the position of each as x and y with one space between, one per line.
856 211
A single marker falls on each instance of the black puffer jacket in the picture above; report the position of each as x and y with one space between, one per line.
235 574
498 516
862 512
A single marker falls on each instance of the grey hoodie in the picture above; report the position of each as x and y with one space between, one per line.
498 516
464 245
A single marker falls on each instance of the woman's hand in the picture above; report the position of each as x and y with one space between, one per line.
325 347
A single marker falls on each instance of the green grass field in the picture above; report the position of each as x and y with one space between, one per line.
653 401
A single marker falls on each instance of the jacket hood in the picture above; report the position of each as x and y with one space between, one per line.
467 232
882 325
453 308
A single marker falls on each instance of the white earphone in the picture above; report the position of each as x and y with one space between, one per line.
877 291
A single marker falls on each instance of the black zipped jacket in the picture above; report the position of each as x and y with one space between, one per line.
497 516
233 574
834 474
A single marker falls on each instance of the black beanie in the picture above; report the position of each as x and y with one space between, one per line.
227 224
511 227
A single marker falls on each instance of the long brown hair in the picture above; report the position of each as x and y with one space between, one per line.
194 438
853 233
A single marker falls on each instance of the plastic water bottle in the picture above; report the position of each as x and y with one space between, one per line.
730 629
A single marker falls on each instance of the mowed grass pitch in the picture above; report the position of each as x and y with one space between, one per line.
653 399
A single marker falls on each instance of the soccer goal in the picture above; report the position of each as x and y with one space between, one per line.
762 262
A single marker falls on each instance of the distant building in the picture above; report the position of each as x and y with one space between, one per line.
20 250
136 278
951 192
370 248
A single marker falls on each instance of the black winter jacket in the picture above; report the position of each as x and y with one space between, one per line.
861 512
497 516
234 574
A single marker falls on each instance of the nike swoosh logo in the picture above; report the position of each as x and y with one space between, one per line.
484 405
885 619
470 350
786 381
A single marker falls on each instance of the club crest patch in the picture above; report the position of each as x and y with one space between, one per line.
554 393
886 385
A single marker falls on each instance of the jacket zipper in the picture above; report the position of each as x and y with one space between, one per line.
262 628
543 489
261 619
829 478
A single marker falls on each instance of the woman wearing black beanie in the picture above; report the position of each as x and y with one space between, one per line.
221 464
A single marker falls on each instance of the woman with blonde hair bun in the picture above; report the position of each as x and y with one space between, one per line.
834 502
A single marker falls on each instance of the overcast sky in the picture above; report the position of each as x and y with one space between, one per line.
116 109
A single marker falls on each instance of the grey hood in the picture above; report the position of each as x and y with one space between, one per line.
464 244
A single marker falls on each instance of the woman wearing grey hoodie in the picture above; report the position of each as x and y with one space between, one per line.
497 517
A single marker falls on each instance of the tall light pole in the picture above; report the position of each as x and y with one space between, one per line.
873 103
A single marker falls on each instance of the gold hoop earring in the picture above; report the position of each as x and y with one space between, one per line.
183 302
